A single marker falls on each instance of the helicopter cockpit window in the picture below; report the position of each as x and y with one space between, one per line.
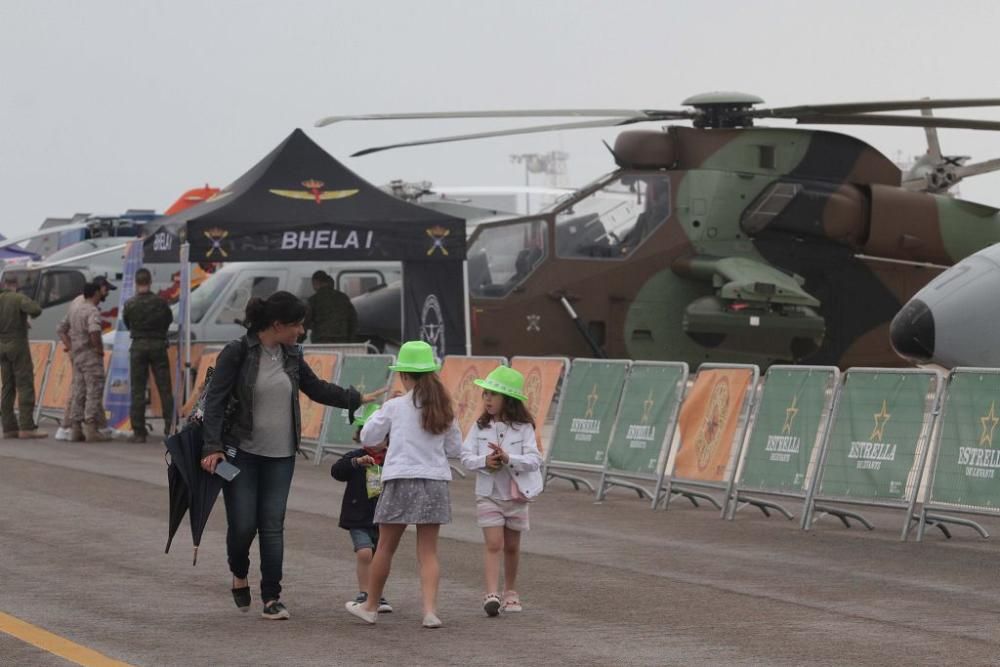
501 257
614 220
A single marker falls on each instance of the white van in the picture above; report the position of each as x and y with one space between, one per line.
219 303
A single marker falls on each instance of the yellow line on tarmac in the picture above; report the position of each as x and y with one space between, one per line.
55 644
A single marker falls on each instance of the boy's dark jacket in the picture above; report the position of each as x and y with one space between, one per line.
357 510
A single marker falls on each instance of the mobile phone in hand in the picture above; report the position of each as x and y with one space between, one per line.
226 470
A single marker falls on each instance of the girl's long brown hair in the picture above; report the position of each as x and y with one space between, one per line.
512 411
436 413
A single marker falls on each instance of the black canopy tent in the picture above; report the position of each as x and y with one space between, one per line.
300 204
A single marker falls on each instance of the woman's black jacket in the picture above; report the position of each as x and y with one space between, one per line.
236 375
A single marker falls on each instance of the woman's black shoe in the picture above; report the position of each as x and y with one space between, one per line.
241 596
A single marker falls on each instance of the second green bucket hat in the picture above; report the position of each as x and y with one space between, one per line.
504 380
415 356
366 411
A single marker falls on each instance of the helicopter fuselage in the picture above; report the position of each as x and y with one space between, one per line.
756 245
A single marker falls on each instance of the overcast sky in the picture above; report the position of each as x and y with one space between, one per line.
108 105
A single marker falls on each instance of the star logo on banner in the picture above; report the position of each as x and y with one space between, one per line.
647 407
791 412
989 422
591 403
314 190
881 418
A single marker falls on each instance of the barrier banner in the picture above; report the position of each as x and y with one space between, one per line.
55 396
458 374
968 450
648 407
541 379
591 394
323 364
872 448
207 360
709 419
786 429
117 392
366 374
41 353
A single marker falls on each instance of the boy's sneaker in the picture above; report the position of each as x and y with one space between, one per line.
275 611
383 606
361 598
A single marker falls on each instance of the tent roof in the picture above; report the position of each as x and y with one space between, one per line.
296 185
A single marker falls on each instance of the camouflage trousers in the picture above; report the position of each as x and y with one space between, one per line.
147 354
87 399
17 374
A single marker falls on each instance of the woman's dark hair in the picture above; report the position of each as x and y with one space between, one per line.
436 413
512 411
282 307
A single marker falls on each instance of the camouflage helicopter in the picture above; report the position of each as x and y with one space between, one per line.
724 242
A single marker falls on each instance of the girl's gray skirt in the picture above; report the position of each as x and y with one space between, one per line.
414 501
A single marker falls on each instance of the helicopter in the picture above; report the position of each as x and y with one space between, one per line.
725 241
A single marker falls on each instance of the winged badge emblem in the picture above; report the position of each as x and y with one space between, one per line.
314 190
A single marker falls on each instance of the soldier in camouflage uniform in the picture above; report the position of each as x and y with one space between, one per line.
87 352
148 317
331 316
17 372
68 430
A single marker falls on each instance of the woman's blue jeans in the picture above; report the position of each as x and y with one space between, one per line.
255 505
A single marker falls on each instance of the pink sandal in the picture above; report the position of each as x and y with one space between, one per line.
511 602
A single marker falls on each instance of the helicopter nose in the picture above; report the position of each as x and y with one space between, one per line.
912 331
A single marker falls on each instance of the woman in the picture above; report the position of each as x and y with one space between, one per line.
263 373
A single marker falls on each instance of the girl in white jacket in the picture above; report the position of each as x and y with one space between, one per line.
502 451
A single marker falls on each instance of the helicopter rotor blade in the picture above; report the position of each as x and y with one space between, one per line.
896 121
510 113
870 107
508 133
978 168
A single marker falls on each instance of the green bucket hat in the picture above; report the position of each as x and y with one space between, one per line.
415 356
504 380
366 411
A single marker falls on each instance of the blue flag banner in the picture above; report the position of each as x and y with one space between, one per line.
181 319
117 394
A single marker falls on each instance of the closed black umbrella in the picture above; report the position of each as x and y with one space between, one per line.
179 501
202 488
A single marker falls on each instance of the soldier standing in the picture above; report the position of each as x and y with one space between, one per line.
331 316
87 351
68 429
17 372
148 317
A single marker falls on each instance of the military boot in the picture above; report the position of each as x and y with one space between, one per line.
76 433
137 438
32 435
92 434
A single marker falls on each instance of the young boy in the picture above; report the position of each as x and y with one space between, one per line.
357 511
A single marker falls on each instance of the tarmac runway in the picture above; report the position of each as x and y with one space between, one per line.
83 526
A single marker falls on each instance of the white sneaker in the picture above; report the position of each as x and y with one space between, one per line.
359 611
432 621
63 433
